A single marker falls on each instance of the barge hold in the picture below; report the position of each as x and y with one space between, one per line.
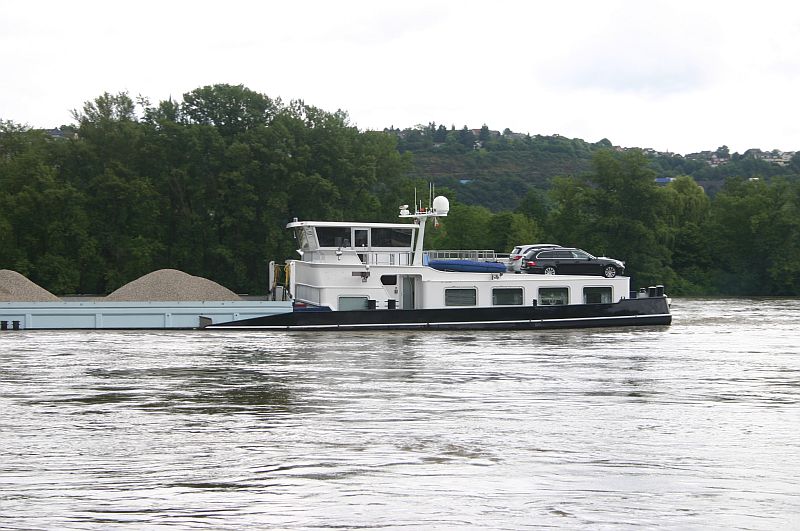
164 299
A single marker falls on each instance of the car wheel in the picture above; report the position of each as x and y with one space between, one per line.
549 270
609 271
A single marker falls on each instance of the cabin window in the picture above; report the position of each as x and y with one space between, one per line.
389 280
597 295
553 296
352 303
361 237
333 236
460 297
302 238
387 237
506 296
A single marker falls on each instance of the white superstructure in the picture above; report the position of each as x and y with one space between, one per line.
355 265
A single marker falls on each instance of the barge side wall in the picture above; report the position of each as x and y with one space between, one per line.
91 315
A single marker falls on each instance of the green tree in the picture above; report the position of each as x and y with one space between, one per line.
483 135
508 229
736 240
441 134
465 227
754 233
618 211
535 205
687 213
466 138
232 109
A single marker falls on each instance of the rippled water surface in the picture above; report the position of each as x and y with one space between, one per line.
696 425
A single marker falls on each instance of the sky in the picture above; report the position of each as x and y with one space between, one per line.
679 76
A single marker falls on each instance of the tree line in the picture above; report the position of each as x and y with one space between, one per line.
206 185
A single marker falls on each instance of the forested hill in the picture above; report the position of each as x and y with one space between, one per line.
207 183
496 170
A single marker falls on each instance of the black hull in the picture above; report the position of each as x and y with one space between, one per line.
628 312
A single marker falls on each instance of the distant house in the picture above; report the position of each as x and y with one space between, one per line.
477 132
781 158
776 156
63 133
712 158
515 136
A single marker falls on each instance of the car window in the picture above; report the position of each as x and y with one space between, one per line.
545 254
562 254
581 254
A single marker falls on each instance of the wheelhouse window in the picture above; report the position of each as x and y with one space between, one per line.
361 237
460 297
302 237
352 303
333 236
507 296
388 237
597 295
553 296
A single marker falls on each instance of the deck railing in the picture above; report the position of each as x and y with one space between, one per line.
481 255
386 258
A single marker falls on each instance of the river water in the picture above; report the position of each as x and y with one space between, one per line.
692 426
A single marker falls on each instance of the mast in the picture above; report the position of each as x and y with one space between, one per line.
439 208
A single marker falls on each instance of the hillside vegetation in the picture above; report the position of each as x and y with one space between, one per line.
496 170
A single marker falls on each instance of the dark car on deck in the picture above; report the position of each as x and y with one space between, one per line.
570 261
515 262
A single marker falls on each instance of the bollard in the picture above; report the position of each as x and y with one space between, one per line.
15 325
371 304
3 325
392 304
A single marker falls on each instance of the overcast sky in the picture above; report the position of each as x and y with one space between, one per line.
674 75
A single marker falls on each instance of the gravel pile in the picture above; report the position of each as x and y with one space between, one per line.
14 287
172 285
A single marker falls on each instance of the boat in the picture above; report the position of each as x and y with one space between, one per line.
467 266
378 276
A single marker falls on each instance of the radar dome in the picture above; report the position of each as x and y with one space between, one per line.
441 205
